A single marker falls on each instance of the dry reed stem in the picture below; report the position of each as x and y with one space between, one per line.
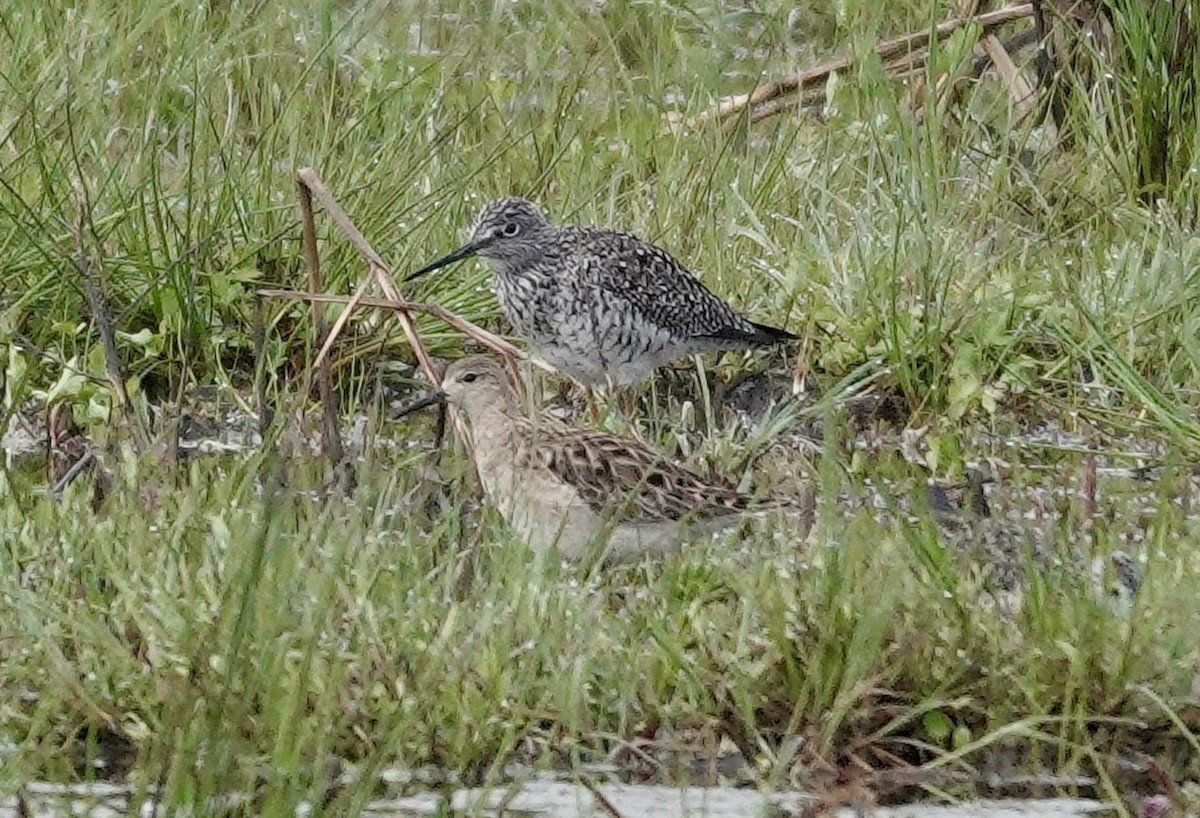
886 49
331 435
311 187
307 177
396 302
1018 87
488 339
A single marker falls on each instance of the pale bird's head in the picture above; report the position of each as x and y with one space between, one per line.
477 384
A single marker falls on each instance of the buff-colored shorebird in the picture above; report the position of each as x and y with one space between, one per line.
580 491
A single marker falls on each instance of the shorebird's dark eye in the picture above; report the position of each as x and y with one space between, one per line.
511 229
469 377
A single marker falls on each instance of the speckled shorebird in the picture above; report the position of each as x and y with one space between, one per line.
602 306
580 491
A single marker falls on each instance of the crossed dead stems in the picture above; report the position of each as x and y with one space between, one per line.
310 187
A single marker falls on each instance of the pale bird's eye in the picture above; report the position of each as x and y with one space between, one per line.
511 229
469 377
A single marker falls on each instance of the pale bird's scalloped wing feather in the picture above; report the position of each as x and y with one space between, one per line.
609 472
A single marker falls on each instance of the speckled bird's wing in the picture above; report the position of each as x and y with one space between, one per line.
609 471
640 278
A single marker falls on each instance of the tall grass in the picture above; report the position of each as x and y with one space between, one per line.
1158 70
245 640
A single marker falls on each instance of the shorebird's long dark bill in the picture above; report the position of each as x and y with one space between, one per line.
435 399
466 251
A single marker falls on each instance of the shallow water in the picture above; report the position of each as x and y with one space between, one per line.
547 799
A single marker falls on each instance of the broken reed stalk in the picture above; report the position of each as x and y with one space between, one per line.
331 435
307 178
311 187
493 342
380 273
990 50
886 50
266 412
1018 87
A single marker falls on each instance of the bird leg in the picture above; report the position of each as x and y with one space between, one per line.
595 395
622 401
593 401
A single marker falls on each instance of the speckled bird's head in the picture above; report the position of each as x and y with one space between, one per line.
507 221
507 233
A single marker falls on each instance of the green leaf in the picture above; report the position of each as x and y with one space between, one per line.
938 726
141 338
69 384
962 394
14 374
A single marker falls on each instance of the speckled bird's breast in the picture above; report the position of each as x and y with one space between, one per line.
556 319
579 329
